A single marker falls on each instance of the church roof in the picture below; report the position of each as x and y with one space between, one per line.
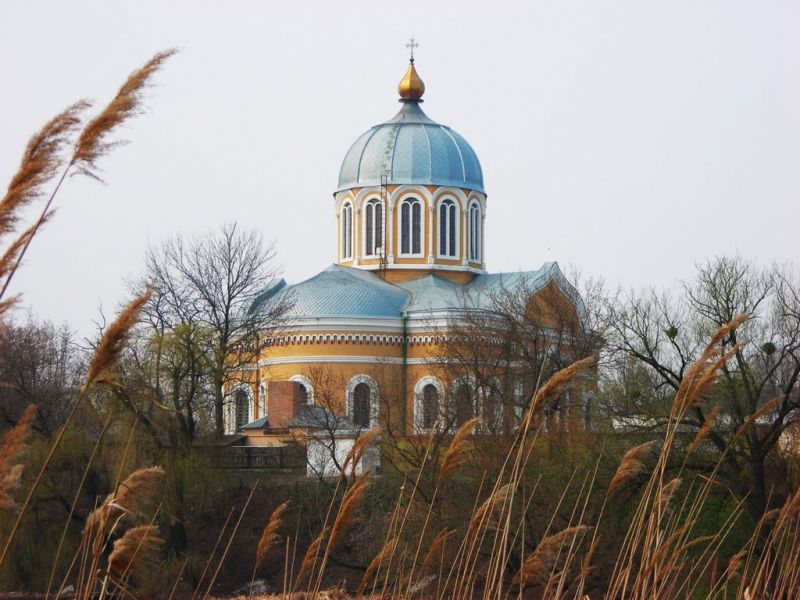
411 149
339 292
346 292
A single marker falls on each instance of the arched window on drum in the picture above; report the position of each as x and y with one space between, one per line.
411 234
347 231
448 229
475 232
373 228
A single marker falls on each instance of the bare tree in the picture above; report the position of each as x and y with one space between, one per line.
502 343
203 290
758 396
39 364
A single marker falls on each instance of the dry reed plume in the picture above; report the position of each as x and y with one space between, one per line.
270 534
347 510
668 490
113 343
734 564
632 466
40 163
703 432
486 513
14 443
436 548
386 551
138 549
311 555
356 453
765 408
702 375
93 143
456 452
560 381
133 497
42 158
11 255
538 567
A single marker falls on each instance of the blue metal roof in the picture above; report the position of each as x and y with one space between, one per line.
411 149
340 292
354 293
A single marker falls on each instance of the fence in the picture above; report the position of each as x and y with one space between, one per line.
260 457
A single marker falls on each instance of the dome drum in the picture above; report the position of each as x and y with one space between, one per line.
420 228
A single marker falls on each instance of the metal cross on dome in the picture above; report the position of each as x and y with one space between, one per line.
411 45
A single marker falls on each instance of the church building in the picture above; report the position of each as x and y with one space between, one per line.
362 338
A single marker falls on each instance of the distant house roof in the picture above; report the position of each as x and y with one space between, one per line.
257 424
312 416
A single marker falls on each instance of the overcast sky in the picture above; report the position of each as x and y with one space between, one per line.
631 139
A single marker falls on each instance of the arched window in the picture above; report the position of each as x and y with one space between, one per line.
241 402
262 400
492 408
463 409
362 401
448 229
411 226
361 405
428 398
475 232
373 228
307 390
430 406
347 231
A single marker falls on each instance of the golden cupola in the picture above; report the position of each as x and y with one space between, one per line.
411 87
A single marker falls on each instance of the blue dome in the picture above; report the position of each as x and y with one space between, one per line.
411 149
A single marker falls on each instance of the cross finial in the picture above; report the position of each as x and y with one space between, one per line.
411 45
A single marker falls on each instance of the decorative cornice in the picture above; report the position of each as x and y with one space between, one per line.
371 339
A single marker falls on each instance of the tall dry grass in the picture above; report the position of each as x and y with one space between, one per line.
659 556
46 163
13 445
490 554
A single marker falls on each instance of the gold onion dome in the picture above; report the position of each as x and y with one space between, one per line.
411 86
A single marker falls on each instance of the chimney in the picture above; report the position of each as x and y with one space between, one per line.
284 399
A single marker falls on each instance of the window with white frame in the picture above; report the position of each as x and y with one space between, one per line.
430 405
361 405
491 408
448 229
262 399
428 399
475 232
373 228
463 403
307 391
362 401
347 231
411 227
241 403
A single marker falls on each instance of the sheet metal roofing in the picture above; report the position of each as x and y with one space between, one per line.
411 149
346 292
339 292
